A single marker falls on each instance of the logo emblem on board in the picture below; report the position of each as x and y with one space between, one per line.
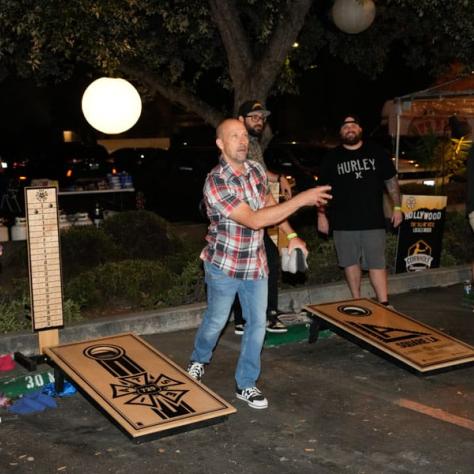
419 257
136 386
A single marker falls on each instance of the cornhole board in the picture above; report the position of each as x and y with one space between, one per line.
143 392
415 345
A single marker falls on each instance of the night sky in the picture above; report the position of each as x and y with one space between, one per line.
35 116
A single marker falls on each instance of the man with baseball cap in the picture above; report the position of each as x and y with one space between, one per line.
253 114
358 173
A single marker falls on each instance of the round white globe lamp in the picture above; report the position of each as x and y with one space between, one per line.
111 105
353 16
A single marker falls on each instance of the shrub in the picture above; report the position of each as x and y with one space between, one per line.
138 283
189 285
85 247
14 261
13 314
458 244
141 235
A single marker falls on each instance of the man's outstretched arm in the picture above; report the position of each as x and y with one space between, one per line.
273 214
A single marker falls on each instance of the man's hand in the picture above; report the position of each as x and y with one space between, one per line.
318 196
323 223
297 243
397 218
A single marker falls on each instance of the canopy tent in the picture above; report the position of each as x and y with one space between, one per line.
428 111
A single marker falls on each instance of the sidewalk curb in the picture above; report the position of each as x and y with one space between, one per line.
189 316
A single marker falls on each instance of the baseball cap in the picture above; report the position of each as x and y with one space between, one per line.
350 118
253 106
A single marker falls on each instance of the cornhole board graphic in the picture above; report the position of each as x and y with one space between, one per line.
146 394
414 344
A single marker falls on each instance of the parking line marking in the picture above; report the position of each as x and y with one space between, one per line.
437 413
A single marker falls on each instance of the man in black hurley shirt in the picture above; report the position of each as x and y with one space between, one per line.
358 172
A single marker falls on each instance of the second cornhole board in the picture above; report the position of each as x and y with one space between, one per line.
408 341
146 394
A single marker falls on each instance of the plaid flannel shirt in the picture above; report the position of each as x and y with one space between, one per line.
235 249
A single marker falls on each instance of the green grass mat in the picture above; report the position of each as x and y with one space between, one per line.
296 333
17 385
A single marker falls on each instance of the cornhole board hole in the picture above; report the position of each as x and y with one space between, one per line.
143 392
413 344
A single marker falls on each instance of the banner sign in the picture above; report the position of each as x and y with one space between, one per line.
421 232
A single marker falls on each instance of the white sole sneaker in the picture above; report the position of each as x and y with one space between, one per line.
259 404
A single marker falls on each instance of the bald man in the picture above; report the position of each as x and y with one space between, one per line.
239 206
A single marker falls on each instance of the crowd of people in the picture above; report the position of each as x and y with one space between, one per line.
241 261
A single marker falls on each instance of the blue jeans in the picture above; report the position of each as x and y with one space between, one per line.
221 290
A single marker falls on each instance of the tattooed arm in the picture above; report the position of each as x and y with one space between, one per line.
394 192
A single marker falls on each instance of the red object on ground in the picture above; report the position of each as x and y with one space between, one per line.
6 363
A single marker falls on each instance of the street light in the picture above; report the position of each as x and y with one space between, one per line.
353 16
111 105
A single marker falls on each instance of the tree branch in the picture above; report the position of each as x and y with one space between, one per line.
177 95
239 54
267 69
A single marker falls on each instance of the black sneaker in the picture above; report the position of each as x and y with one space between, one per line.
239 329
253 396
276 327
195 370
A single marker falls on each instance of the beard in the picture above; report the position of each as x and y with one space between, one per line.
351 138
255 132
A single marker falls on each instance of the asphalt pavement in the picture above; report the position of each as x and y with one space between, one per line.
334 407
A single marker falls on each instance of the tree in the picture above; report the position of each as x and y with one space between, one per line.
208 56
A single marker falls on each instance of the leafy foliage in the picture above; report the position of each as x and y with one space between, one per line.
13 313
177 278
178 47
188 286
458 244
133 283
141 235
84 247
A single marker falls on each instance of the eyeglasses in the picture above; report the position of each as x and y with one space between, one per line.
256 118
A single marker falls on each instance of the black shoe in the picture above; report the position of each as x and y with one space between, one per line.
239 329
195 370
276 326
253 396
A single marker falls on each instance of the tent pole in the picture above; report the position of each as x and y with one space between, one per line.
397 136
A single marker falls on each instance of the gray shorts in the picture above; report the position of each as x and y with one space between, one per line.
361 247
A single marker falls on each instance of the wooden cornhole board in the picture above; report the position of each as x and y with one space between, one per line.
394 334
146 394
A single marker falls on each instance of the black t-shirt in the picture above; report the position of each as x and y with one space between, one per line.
357 179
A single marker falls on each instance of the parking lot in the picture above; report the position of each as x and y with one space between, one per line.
334 407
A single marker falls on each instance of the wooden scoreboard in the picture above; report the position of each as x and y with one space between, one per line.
44 261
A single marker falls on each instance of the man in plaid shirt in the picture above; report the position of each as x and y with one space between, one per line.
239 206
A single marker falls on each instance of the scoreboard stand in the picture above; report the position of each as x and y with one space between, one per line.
44 264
